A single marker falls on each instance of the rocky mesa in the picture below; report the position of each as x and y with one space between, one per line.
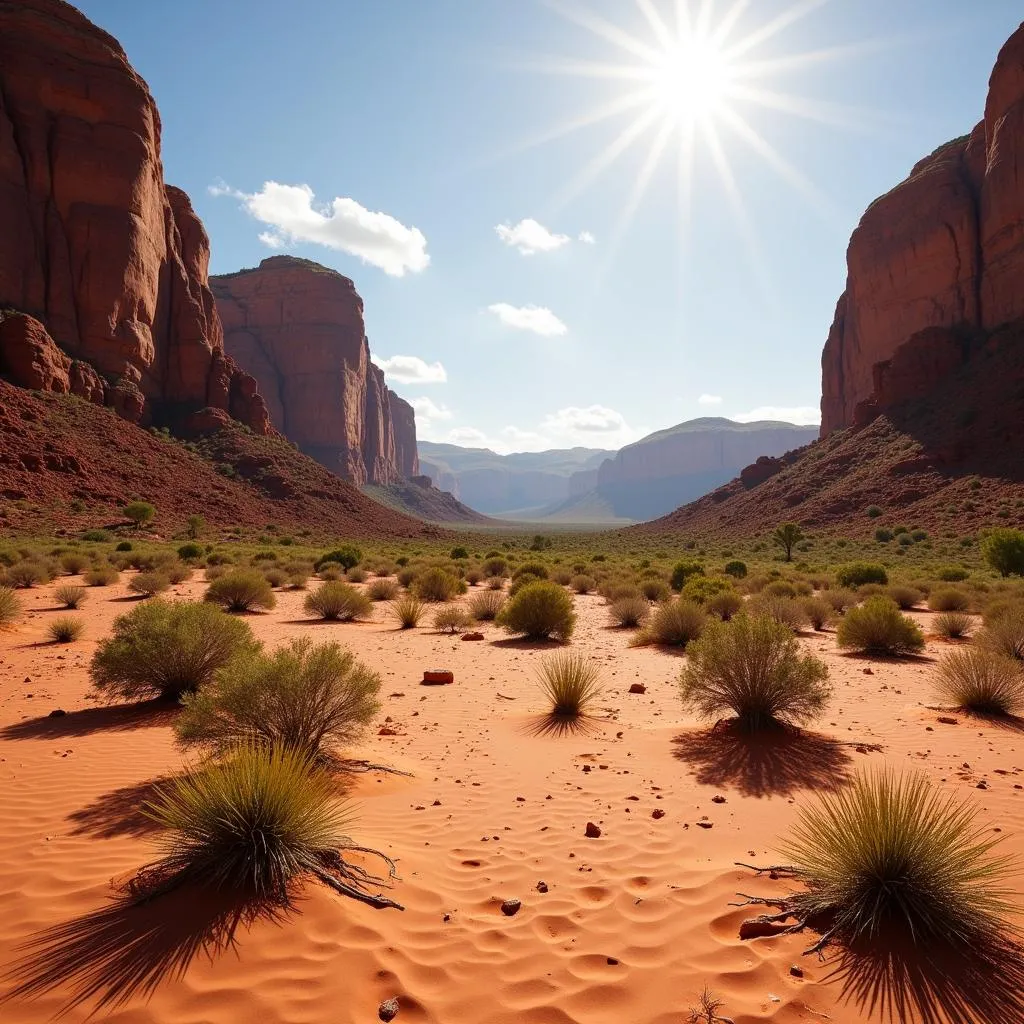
297 328
103 267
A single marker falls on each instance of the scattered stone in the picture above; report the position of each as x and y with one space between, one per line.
612 961
57 713
638 688
657 813
511 907
592 831
437 677
947 720
386 730
718 799
797 972
472 636
705 824
868 672
388 1010
542 886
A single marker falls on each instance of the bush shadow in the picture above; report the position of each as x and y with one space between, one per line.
119 717
561 725
519 643
774 762
119 812
888 659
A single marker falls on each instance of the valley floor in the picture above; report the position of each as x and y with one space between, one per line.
632 926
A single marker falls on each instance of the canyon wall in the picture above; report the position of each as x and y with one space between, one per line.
297 328
935 266
103 267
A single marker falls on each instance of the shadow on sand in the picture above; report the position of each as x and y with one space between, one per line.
147 715
119 812
775 762
561 725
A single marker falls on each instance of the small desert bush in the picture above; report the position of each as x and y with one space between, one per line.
617 591
330 572
700 589
485 606
655 590
818 611
541 610
788 611
102 576
241 590
871 590
724 605
139 512
495 583
275 577
73 563
177 572
214 572
348 556
856 574
953 625
682 572
982 681
165 649
10 606
754 668
309 698
525 580
736 569
407 576
190 552
70 596
65 629
437 585
251 824
1006 634
382 589
452 619
841 598
1000 606
495 567
630 611
356 575
298 574
408 610
582 584
879 627
148 584
570 682
673 624
338 602
779 588
892 853
474 576
904 596
949 599
27 573
536 569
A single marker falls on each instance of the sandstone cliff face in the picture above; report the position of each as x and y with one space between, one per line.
297 328
943 250
109 261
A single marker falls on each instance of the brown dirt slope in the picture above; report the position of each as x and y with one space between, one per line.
429 503
68 464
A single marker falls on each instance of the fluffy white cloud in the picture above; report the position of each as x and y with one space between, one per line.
411 370
586 238
709 400
427 409
343 224
530 237
537 319
597 419
805 415
469 436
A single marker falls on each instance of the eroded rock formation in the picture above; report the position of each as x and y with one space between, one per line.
297 327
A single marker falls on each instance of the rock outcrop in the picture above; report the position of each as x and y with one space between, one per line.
297 328
110 261
934 264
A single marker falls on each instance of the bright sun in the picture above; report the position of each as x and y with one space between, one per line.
691 80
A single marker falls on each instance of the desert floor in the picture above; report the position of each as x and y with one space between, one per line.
632 926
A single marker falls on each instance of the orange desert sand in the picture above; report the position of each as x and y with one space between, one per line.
632 924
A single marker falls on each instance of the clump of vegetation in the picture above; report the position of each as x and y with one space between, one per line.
787 611
952 574
583 584
673 624
786 536
953 625
27 573
981 681
241 590
700 589
736 569
65 629
818 611
435 584
856 574
1005 635
190 552
70 596
655 590
1003 549
383 589
904 596
949 599
356 575
879 627
541 610
164 649
630 612
495 566
841 598
139 513
725 604
348 556
10 607
338 602
571 684
73 563
779 588
682 572
408 610
452 619
485 606
102 576
148 584
176 572
753 667
310 698
275 577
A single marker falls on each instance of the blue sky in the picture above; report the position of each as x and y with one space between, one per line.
421 111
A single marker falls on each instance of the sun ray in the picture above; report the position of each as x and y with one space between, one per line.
552 65
826 55
605 30
774 27
728 23
833 114
654 19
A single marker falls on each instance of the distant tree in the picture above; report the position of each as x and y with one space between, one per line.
1004 551
785 536
139 512
194 526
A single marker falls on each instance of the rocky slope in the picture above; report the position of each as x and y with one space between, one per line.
297 327
108 262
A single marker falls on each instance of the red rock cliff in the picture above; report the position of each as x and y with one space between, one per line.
297 327
110 261
936 261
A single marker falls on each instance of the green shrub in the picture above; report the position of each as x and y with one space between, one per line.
298 574
754 668
495 566
190 552
176 572
856 574
408 610
148 584
779 588
1003 549
571 684
655 590
541 610
818 611
241 590
892 854
873 511
736 569
96 536
10 607
70 596
630 612
905 597
474 576
27 573
953 625
139 513
452 619
338 602
1005 635
65 629
309 698
458 552
124 545
724 605
165 649
536 569
485 606
787 611
883 536
980 680
382 589
952 574
74 563
102 576
949 599
878 626
194 526
700 589
348 556
582 584
673 624
437 585
682 572
275 577
523 581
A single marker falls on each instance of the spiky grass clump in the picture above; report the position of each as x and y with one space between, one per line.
177 572
383 589
275 576
818 611
338 602
241 591
571 683
251 824
904 596
892 853
982 681
724 604
70 596
437 585
673 624
841 598
541 610
787 611
165 649
655 590
10 607
949 599
27 573
310 698
1005 633
879 627
583 584
101 576
73 562
630 612
65 629
753 667
953 625
408 610
485 606
149 584
452 619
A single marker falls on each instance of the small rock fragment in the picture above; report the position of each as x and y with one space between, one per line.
797 972
592 831
542 886
472 636
947 720
638 688
388 1010
511 907
657 813
57 713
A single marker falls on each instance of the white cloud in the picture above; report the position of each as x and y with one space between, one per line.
343 224
468 436
537 319
804 415
411 370
427 409
709 400
530 237
586 238
597 419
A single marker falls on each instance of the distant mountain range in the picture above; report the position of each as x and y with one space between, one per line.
646 479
